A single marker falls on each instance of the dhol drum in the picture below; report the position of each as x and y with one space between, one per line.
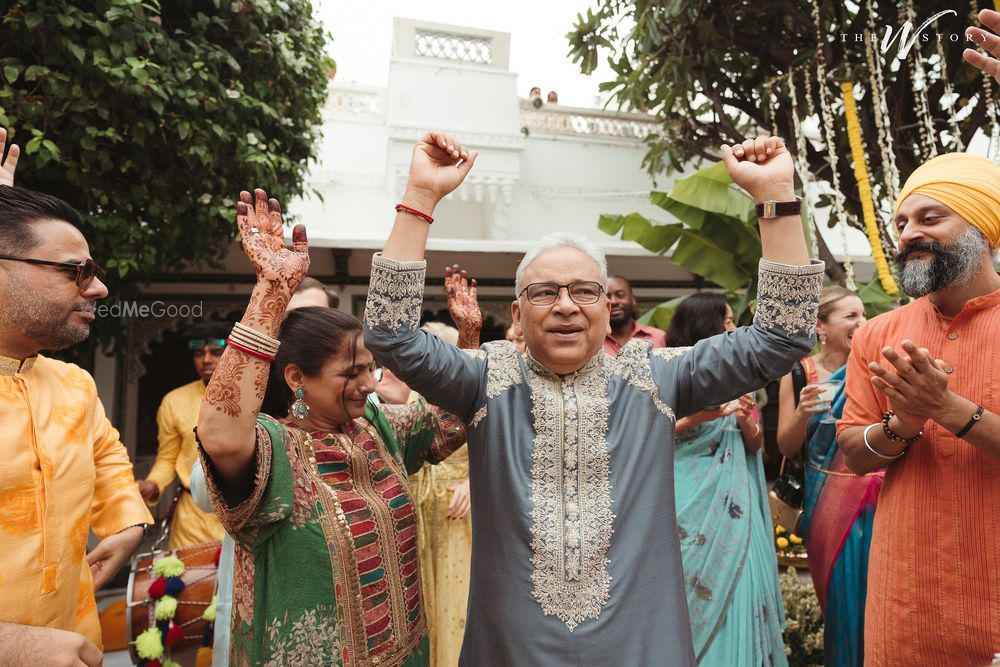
199 587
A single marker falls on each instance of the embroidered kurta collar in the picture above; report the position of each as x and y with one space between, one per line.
9 366
597 361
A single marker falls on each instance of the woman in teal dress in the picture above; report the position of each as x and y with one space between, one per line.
730 569
839 506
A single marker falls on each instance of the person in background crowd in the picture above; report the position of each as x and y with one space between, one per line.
723 518
623 325
65 472
177 451
312 292
839 506
553 97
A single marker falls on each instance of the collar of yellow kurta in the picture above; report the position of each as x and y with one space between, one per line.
9 366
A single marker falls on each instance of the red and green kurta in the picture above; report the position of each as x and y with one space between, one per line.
326 569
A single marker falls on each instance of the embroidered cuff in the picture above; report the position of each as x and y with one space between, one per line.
234 513
395 294
788 297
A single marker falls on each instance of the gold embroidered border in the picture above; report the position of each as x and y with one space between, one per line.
395 294
503 373
632 365
571 493
344 565
788 297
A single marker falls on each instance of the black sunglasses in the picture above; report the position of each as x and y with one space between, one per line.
83 273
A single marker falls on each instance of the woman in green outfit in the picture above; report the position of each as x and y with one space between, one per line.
317 501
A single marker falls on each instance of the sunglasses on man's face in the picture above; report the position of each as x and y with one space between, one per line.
216 346
83 272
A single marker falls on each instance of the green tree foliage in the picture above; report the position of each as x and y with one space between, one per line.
150 117
706 68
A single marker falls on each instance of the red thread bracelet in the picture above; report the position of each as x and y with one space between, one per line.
403 208
252 353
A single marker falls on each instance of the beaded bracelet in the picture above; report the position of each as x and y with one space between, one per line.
896 438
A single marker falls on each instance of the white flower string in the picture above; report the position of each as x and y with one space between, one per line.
918 75
807 84
883 124
830 139
991 112
951 97
772 105
802 164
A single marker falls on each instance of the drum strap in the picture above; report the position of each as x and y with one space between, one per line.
169 516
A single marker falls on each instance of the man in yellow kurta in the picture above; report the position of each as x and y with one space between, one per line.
63 470
175 420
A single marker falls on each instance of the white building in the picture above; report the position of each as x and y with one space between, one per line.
544 169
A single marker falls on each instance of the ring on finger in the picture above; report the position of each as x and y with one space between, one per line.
254 230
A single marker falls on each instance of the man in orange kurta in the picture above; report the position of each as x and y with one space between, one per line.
63 470
923 388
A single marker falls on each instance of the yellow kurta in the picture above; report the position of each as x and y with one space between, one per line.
445 555
64 471
175 421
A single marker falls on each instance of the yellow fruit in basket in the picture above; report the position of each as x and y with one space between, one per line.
795 539
779 529
782 543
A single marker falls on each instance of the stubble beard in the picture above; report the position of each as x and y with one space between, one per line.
40 321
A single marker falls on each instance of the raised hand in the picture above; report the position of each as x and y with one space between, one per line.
762 166
463 305
438 166
988 40
259 220
8 166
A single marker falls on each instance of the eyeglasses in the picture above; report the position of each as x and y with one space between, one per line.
83 273
215 345
582 292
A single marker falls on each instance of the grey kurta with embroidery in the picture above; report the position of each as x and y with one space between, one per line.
575 552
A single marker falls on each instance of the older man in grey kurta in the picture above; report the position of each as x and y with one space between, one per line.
575 548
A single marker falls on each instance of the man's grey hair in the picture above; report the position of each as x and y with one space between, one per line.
562 240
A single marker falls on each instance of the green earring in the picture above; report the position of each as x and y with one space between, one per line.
300 408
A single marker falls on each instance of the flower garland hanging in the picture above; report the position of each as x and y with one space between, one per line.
802 164
918 75
949 94
883 124
865 191
830 138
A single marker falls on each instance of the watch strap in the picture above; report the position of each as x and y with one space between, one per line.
776 209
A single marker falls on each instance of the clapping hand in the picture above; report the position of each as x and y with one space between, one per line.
259 220
8 166
917 385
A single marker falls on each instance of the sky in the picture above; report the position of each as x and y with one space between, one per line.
362 39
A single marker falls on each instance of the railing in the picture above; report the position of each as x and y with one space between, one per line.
454 46
555 119
356 101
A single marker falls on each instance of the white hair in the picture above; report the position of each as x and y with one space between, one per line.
562 240
442 331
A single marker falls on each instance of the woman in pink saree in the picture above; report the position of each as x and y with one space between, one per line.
839 506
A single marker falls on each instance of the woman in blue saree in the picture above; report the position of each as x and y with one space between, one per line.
839 506
724 523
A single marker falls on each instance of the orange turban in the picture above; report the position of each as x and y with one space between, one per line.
967 184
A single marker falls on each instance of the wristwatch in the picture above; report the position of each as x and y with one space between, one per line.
776 209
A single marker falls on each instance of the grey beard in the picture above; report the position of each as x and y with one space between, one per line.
39 321
951 264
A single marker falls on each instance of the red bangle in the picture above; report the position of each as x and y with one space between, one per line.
252 353
403 208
